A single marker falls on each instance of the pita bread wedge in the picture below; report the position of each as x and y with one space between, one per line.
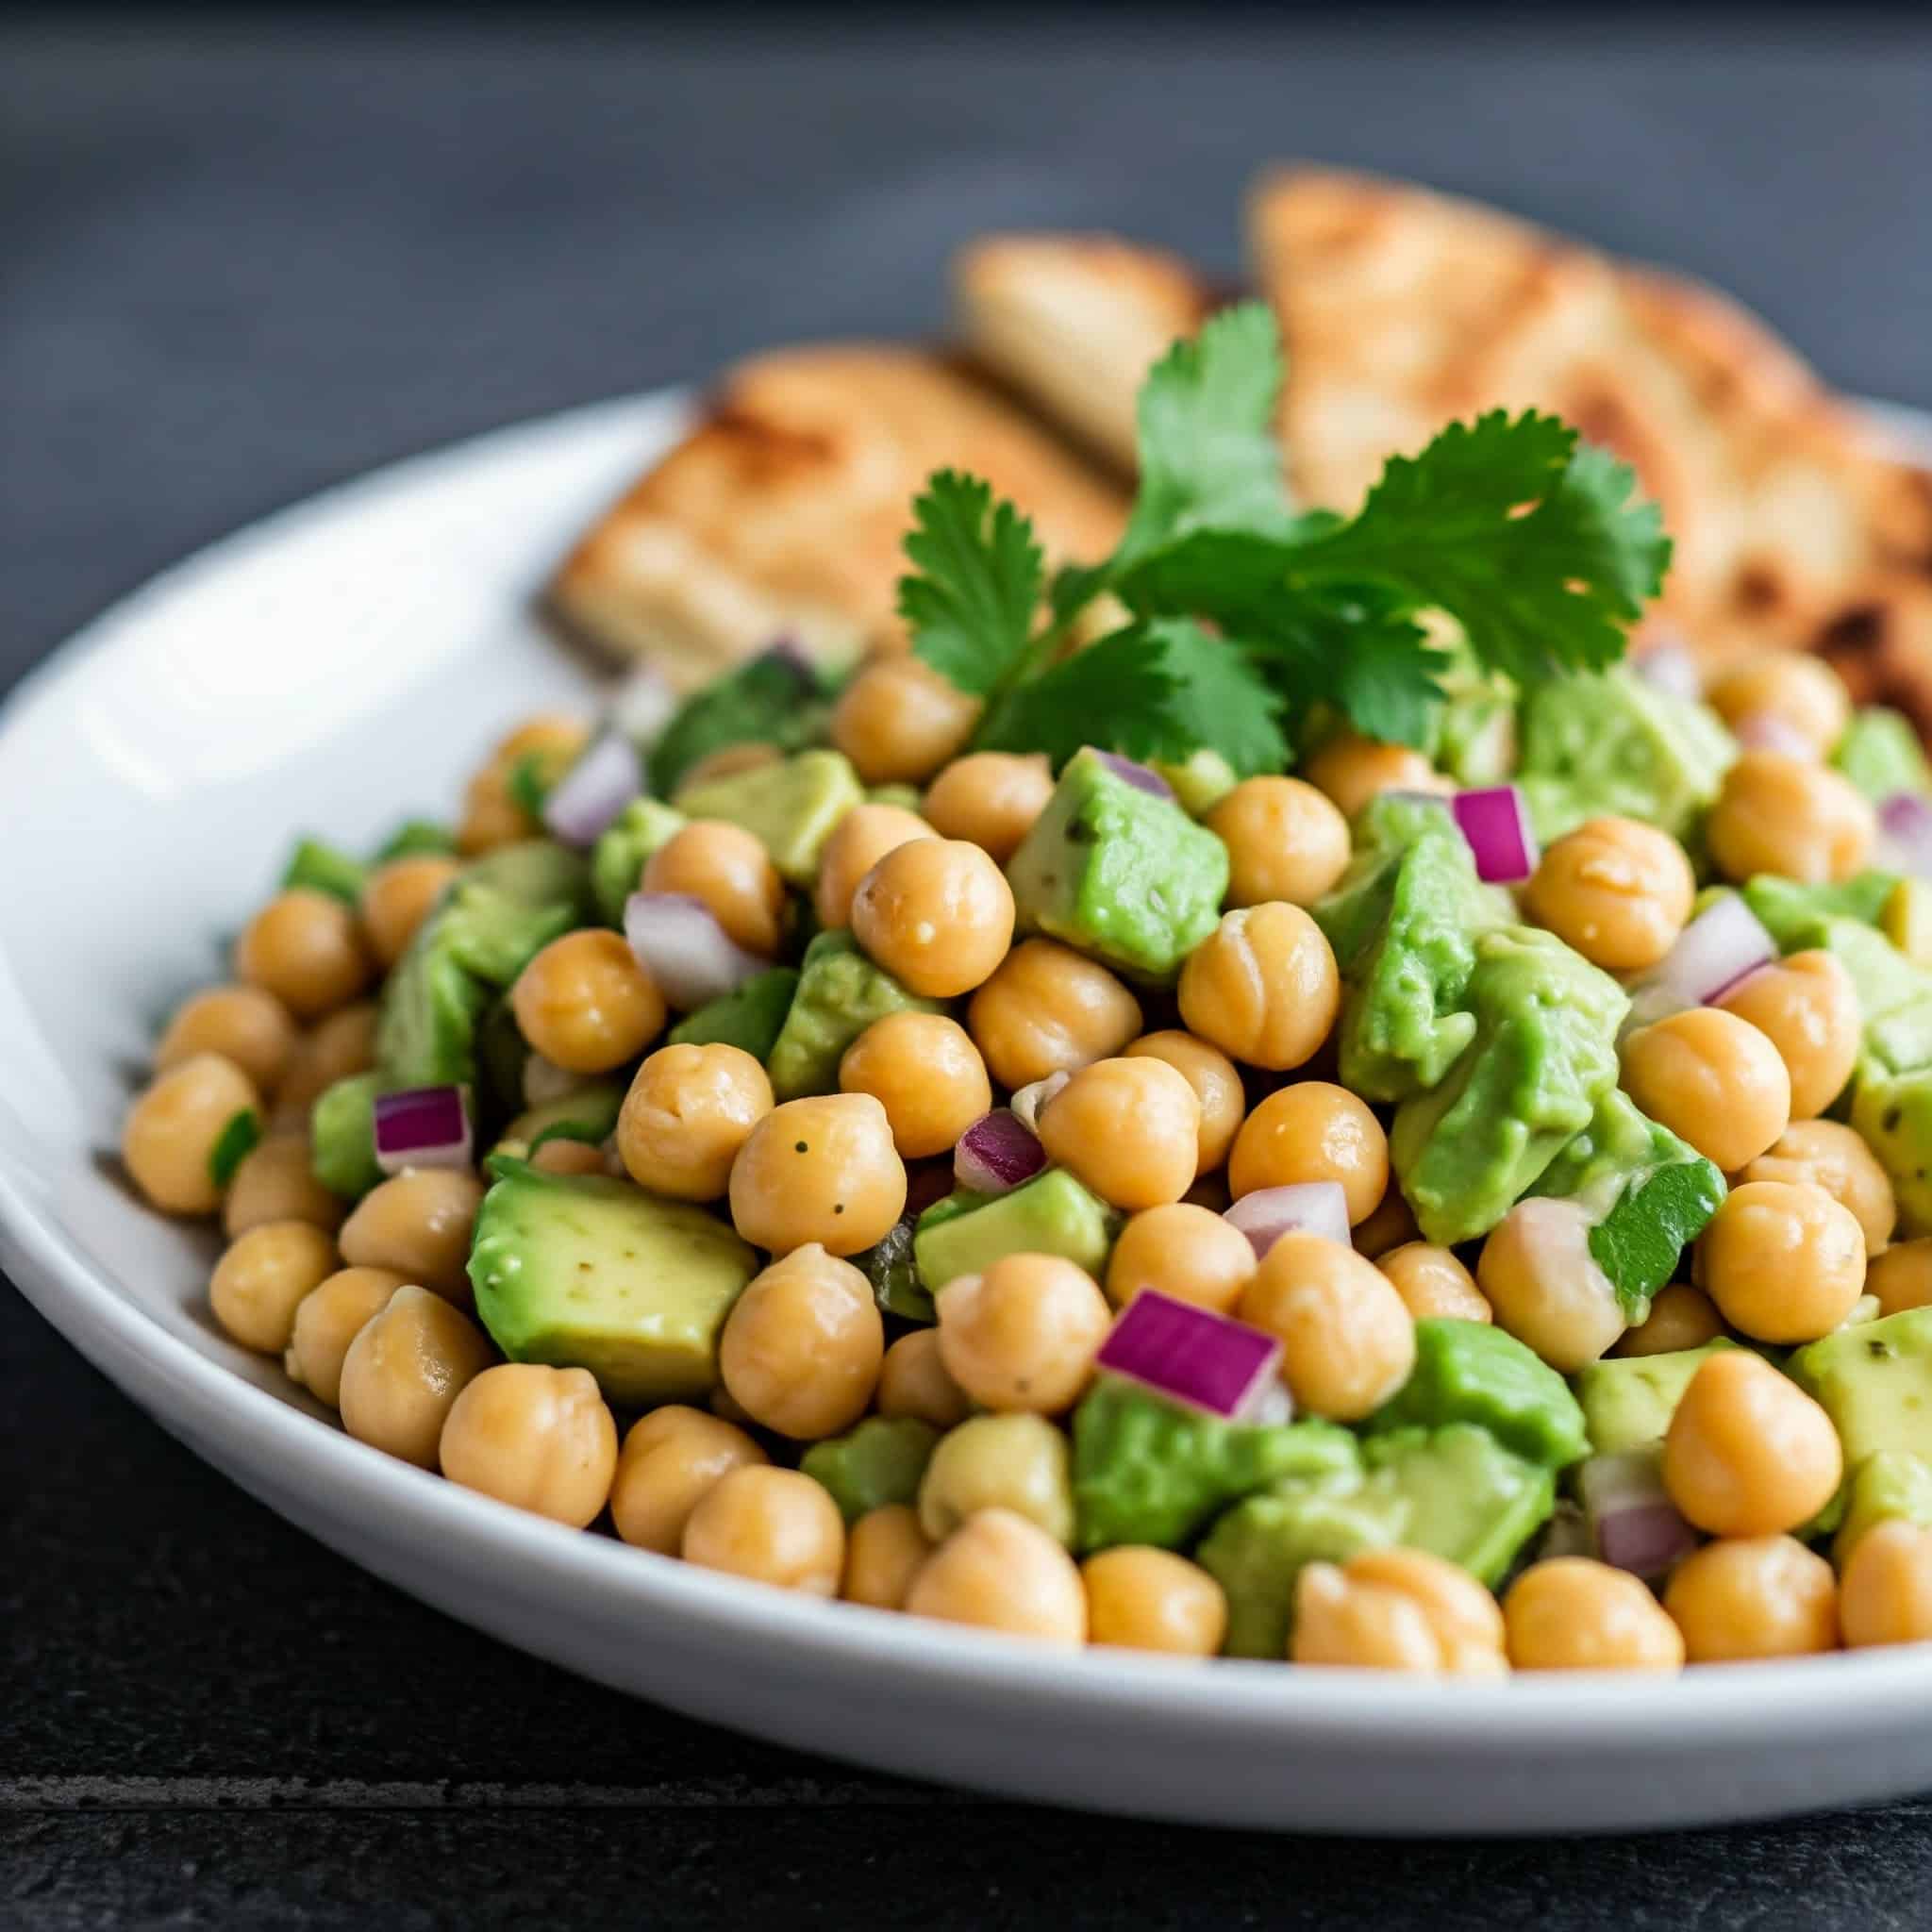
783 509
1881 643
1073 322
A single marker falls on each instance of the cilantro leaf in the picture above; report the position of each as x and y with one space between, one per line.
970 606
774 698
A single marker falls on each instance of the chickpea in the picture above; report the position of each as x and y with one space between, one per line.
1616 890
328 1320
1352 770
1313 1131
991 798
1391 1226
913 1382
1787 815
173 1128
1024 1335
342 1045
1128 1129
1216 1082
1901 1276
727 761
1794 686
1748 1452
1048 1009
258 1284
1749 1597
688 1111
417 1223
274 1182
561 1154
1017 1462
899 721
396 898
1140 1598
405 1368
925 1072
670 1458
728 870
1680 1317
937 914
549 734
1573 1613
820 1169
1347 1341
1782 1261
586 1004
1433 1283
1544 1285
774 1525
1182 1250
1397 1609
536 1438
859 842
884 1552
491 818
1885 1596
1825 1154
801 1345
1262 987
1285 840
1714 1080
1807 1007
1003 1572
244 1025
304 948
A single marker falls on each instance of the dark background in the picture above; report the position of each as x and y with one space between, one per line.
242 256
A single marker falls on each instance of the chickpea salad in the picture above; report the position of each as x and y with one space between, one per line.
1280 1095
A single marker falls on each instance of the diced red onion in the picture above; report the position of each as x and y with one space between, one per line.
1635 1524
1141 778
423 1126
1724 943
996 1153
679 942
1904 825
1671 669
593 792
545 1081
1191 1355
1495 820
1767 731
641 705
1311 1206
1029 1101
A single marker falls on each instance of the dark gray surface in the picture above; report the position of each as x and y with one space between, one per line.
235 265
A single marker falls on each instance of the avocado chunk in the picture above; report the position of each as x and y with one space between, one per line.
1352 915
750 1019
1051 1215
581 1271
1875 1381
1795 915
1629 1400
791 807
839 993
882 1461
342 1136
323 868
1543 1055
1471 1371
1895 1114
1880 754
1200 783
1119 872
416 838
1150 1471
1890 1483
588 1114
622 849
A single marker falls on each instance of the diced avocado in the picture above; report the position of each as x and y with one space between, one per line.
502 1057
1260 1548
622 847
879 1463
1880 754
1875 1381
1477 738
1610 743
323 868
1471 1371
581 1271
430 1010
1795 915
1895 1114
1119 872
1353 916
416 838
588 1114
1629 1400
1052 1214
1891 1483
752 1018
793 806
1201 783
839 993
1907 920
1543 1055
776 698
1149 1471
907 797
342 1136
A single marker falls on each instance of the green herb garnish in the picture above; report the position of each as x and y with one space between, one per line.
233 1145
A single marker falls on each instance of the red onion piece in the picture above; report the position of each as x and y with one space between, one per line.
1724 944
1495 820
641 705
1311 1206
679 942
423 1126
1670 668
1905 824
1767 731
1029 1101
593 792
1635 1524
1141 778
996 1153
1191 1355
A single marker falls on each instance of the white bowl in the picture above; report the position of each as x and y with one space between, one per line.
344 662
